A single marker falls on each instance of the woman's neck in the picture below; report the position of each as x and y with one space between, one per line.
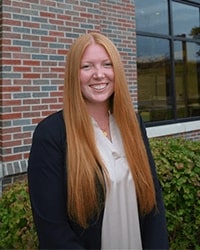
100 114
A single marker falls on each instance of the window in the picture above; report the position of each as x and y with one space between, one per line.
152 16
153 63
168 60
184 23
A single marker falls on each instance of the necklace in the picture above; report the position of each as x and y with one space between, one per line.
105 133
104 128
103 124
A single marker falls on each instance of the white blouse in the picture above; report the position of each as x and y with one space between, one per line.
120 228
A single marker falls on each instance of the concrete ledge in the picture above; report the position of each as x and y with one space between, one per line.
11 169
172 129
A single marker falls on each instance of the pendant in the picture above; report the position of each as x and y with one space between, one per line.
105 133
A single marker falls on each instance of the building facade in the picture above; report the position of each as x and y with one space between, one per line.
168 66
35 37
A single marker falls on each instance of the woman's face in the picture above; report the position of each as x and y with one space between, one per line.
96 75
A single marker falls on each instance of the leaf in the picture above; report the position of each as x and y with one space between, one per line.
178 166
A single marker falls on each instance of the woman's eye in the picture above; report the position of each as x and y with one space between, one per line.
108 64
86 66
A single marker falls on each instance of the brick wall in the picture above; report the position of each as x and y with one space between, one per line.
36 35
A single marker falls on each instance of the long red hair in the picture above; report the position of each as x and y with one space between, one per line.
85 169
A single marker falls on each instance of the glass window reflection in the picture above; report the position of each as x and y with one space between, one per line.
187 77
153 66
186 20
152 16
168 54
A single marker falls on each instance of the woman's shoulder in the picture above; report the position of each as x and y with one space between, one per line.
53 119
51 125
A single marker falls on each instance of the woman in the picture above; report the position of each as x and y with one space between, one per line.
92 178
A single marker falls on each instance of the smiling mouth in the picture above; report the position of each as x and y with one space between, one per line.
99 86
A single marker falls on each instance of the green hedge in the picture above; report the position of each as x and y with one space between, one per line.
178 167
17 230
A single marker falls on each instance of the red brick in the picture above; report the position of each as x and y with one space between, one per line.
62 52
57 69
11 116
31 76
6 137
22 69
30 37
49 100
56 22
11 89
27 141
21 108
11 62
12 158
31 25
36 120
21 55
11 48
40 107
64 17
26 155
31 62
48 112
21 4
22 82
48 39
56 94
4 97
12 22
56 106
47 14
5 42
12 103
22 135
12 143
11 130
56 34
39 44
31 101
31 114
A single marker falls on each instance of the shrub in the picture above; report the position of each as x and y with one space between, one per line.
16 224
178 167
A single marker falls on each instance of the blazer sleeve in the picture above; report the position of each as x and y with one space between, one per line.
153 225
47 181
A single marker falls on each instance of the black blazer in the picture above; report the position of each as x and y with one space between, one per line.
48 195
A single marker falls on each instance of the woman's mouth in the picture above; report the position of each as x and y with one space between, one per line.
99 86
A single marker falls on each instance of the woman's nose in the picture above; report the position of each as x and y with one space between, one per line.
99 73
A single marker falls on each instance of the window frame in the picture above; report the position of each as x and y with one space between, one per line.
171 38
